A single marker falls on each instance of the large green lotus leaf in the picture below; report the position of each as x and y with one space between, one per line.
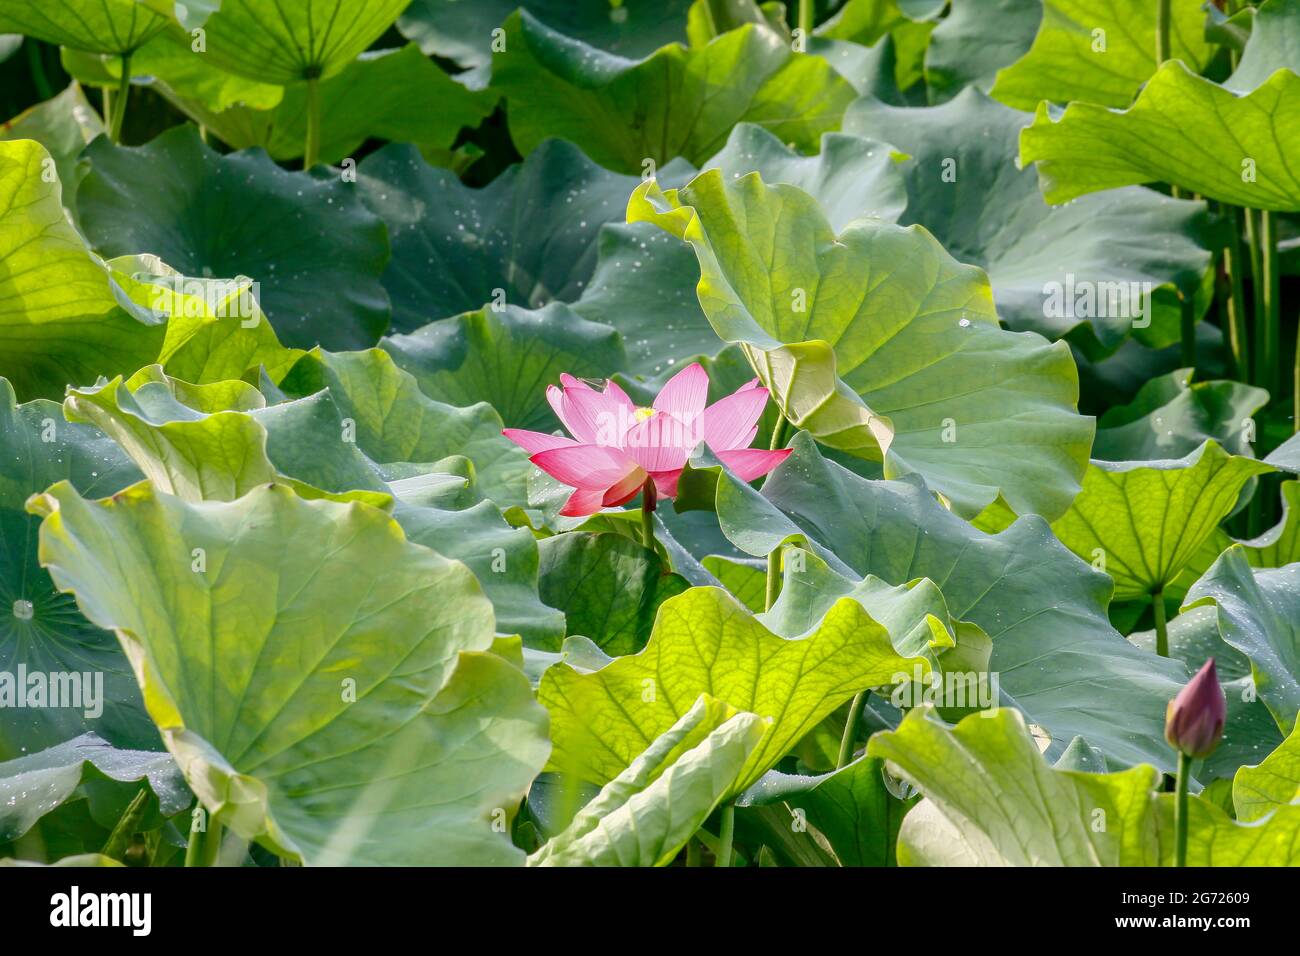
881 344
34 785
1171 417
850 808
704 641
39 627
608 586
461 30
63 125
100 26
1054 649
964 186
275 42
1259 615
1070 60
1216 839
63 317
315 250
531 233
1146 519
976 40
1274 782
675 102
324 684
646 814
396 422
1229 143
506 357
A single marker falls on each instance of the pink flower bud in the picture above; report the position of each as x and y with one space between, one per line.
1194 719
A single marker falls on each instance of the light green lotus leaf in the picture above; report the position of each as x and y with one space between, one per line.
1272 783
277 43
645 815
1099 53
63 318
745 578
627 114
63 125
1054 650
1146 519
100 26
312 247
462 31
379 731
608 586
507 357
1287 455
1171 417
879 343
865 21
1216 839
35 785
41 629
79 860
1108 265
1229 142
976 40
851 809
1259 615
704 641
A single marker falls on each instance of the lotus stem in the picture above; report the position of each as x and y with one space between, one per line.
1269 338
1234 263
311 150
726 835
118 113
773 590
1180 809
1256 284
1162 31
36 62
1162 626
851 729
692 852
119 841
806 18
204 847
648 502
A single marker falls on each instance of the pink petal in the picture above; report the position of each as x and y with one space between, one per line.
533 442
555 396
684 395
592 467
625 490
731 422
666 483
601 417
660 443
751 463
581 503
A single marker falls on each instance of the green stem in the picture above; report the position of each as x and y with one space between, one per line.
1270 339
1180 809
36 62
1234 263
692 852
806 18
203 848
311 150
726 835
1162 629
1256 289
648 502
1162 31
851 729
773 589
120 100
119 841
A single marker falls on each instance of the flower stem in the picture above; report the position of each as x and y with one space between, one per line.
311 149
1162 628
774 559
35 60
648 502
851 729
726 835
692 852
1269 339
1234 263
203 848
1180 809
806 18
1162 31
119 101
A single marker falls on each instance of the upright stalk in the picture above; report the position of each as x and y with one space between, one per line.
37 64
1256 287
120 100
1162 627
1180 809
311 150
1234 264
1270 336
850 734
1162 31
806 18
726 836
773 589
204 847
649 499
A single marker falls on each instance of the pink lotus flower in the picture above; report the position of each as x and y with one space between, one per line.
1194 719
618 447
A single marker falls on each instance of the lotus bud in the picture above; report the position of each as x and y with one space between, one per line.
1194 719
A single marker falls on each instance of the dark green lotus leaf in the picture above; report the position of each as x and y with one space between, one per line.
608 586
1171 417
976 40
1227 142
313 248
461 31
395 740
1287 455
880 343
63 318
1045 611
275 42
63 125
1099 53
506 357
100 26
41 629
627 114
1053 269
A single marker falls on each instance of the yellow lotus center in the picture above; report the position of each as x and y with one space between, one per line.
641 414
